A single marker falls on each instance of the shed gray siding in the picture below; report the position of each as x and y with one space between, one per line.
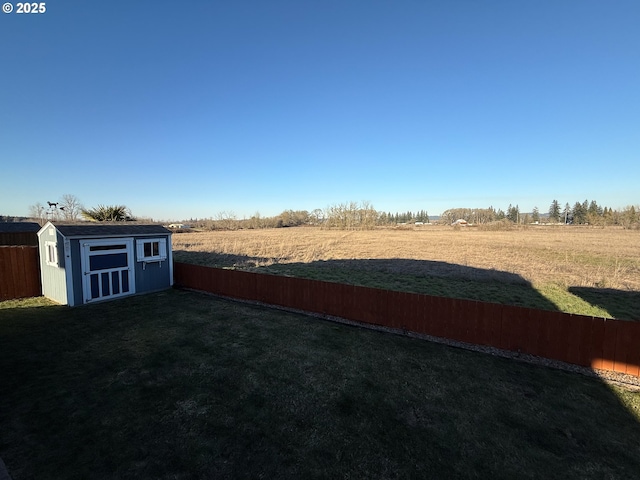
53 278
76 271
152 276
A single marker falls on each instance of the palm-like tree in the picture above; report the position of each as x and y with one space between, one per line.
108 213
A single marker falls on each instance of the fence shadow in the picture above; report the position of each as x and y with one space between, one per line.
423 276
399 274
619 303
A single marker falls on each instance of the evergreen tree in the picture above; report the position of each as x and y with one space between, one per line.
554 211
579 213
535 215
568 218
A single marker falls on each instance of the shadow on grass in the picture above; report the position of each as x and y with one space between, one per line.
407 275
620 304
184 385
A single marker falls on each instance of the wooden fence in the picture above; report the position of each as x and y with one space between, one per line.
598 343
19 272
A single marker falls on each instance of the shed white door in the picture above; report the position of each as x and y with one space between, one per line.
107 269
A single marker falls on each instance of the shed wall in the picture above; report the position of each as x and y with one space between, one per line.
53 278
152 276
149 277
76 271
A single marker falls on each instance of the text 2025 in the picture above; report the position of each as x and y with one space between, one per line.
31 7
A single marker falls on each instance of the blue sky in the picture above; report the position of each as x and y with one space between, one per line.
188 109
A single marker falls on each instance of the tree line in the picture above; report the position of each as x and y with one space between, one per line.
590 213
69 209
355 216
343 216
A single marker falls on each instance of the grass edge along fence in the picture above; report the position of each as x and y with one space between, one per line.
598 343
19 272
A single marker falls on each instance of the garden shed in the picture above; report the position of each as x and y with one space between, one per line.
85 263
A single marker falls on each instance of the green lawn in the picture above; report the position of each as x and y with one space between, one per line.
179 385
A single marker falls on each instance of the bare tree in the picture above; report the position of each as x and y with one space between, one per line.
38 212
317 216
351 216
70 207
227 221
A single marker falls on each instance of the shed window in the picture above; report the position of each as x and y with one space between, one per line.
151 250
51 251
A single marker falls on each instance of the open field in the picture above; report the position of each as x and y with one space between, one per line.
589 271
182 385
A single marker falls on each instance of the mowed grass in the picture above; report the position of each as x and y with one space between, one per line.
581 270
180 385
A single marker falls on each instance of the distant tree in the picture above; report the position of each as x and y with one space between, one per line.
108 213
38 213
629 216
255 221
483 215
595 214
579 212
568 218
316 216
535 215
513 214
422 216
293 218
453 214
70 207
351 216
554 211
226 220
500 215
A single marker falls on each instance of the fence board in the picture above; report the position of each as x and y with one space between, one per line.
609 344
483 324
624 356
632 347
559 336
530 330
396 312
572 353
596 350
426 318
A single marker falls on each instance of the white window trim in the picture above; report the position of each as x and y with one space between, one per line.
162 250
51 253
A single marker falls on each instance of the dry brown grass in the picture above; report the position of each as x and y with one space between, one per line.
565 256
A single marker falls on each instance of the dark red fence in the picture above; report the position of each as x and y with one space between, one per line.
591 342
19 272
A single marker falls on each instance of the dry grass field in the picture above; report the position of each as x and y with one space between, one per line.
592 271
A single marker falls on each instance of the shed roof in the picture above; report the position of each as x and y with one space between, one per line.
109 230
19 227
